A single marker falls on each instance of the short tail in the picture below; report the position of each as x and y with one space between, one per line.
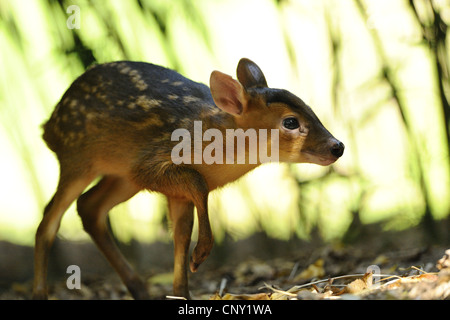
50 134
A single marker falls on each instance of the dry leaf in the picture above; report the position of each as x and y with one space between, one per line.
279 294
161 278
250 271
314 270
230 296
422 277
381 259
358 285
20 288
444 262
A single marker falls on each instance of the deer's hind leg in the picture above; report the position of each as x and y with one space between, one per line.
70 187
93 207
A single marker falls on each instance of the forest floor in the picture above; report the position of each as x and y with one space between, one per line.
379 266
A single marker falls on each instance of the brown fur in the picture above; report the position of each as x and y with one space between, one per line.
116 121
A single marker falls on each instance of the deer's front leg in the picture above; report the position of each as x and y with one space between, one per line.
205 237
184 184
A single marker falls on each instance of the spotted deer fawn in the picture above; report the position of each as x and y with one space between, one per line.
116 122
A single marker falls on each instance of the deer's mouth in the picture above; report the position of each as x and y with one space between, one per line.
320 159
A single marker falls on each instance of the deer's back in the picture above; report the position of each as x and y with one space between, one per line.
125 100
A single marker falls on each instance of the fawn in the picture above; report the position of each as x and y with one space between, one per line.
116 121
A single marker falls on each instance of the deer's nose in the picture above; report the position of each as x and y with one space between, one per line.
337 149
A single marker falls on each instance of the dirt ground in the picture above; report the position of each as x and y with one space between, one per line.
257 268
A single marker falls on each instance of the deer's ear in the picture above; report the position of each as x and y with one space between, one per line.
228 94
250 75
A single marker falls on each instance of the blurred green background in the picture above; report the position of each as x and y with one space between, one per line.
375 72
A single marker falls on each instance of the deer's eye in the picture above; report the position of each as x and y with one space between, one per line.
291 123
